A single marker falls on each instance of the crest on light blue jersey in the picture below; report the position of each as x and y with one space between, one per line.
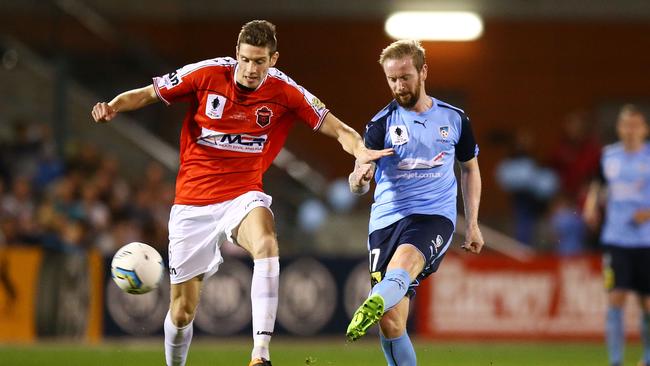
444 131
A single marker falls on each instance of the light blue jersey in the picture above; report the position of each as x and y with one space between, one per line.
419 178
627 175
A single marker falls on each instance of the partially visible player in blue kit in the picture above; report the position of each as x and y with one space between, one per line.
625 236
413 216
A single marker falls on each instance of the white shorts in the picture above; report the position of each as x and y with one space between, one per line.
197 232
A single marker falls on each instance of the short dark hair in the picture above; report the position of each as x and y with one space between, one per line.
259 33
404 48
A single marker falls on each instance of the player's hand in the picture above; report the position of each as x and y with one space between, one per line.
591 218
362 173
366 155
641 216
473 239
360 177
102 112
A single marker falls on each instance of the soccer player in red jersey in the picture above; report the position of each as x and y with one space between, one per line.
240 113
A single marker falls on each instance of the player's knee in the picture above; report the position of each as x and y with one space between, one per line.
645 304
408 258
616 298
265 247
182 312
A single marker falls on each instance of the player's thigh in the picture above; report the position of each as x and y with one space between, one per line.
187 292
427 235
393 323
642 272
184 298
618 269
193 242
409 258
256 233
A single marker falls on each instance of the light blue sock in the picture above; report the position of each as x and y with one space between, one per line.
393 287
615 336
398 351
645 337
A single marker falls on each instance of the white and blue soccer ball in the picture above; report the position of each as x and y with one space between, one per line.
137 268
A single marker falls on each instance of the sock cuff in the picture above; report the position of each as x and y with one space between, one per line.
615 310
404 335
399 272
168 317
187 326
267 267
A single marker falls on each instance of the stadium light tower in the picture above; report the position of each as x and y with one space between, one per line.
434 25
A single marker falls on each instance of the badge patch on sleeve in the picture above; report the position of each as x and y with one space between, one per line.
170 80
398 135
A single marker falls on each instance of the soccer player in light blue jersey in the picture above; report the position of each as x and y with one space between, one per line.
414 211
625 235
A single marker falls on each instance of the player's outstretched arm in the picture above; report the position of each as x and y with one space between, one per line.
470 180
351 140
590 211
124 102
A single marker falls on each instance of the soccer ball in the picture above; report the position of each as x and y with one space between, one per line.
137 268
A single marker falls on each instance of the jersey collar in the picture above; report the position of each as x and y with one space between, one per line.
434 105
234 79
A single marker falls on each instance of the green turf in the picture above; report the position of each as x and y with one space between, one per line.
316 353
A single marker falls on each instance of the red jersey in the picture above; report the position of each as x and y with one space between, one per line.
230 136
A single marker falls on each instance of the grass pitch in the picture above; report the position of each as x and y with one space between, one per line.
326 352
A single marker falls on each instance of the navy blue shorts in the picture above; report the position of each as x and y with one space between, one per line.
430 234
627 268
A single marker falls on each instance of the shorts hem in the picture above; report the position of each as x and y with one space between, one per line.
243 216
206 274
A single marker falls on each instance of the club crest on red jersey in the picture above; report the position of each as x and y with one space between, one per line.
264 115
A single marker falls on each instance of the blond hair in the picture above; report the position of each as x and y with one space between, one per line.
404 48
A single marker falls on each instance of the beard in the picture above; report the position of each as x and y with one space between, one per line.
409 98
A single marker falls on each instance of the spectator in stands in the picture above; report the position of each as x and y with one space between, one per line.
50 166
79 202
576 157
567 226
24 149
530 186
19 202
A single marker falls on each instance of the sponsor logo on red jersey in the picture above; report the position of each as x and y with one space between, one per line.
232 142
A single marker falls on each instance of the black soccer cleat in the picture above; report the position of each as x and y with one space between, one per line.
260 362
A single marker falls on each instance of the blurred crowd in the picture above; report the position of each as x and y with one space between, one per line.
74 197
547 193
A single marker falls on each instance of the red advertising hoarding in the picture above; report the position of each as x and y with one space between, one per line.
490 297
